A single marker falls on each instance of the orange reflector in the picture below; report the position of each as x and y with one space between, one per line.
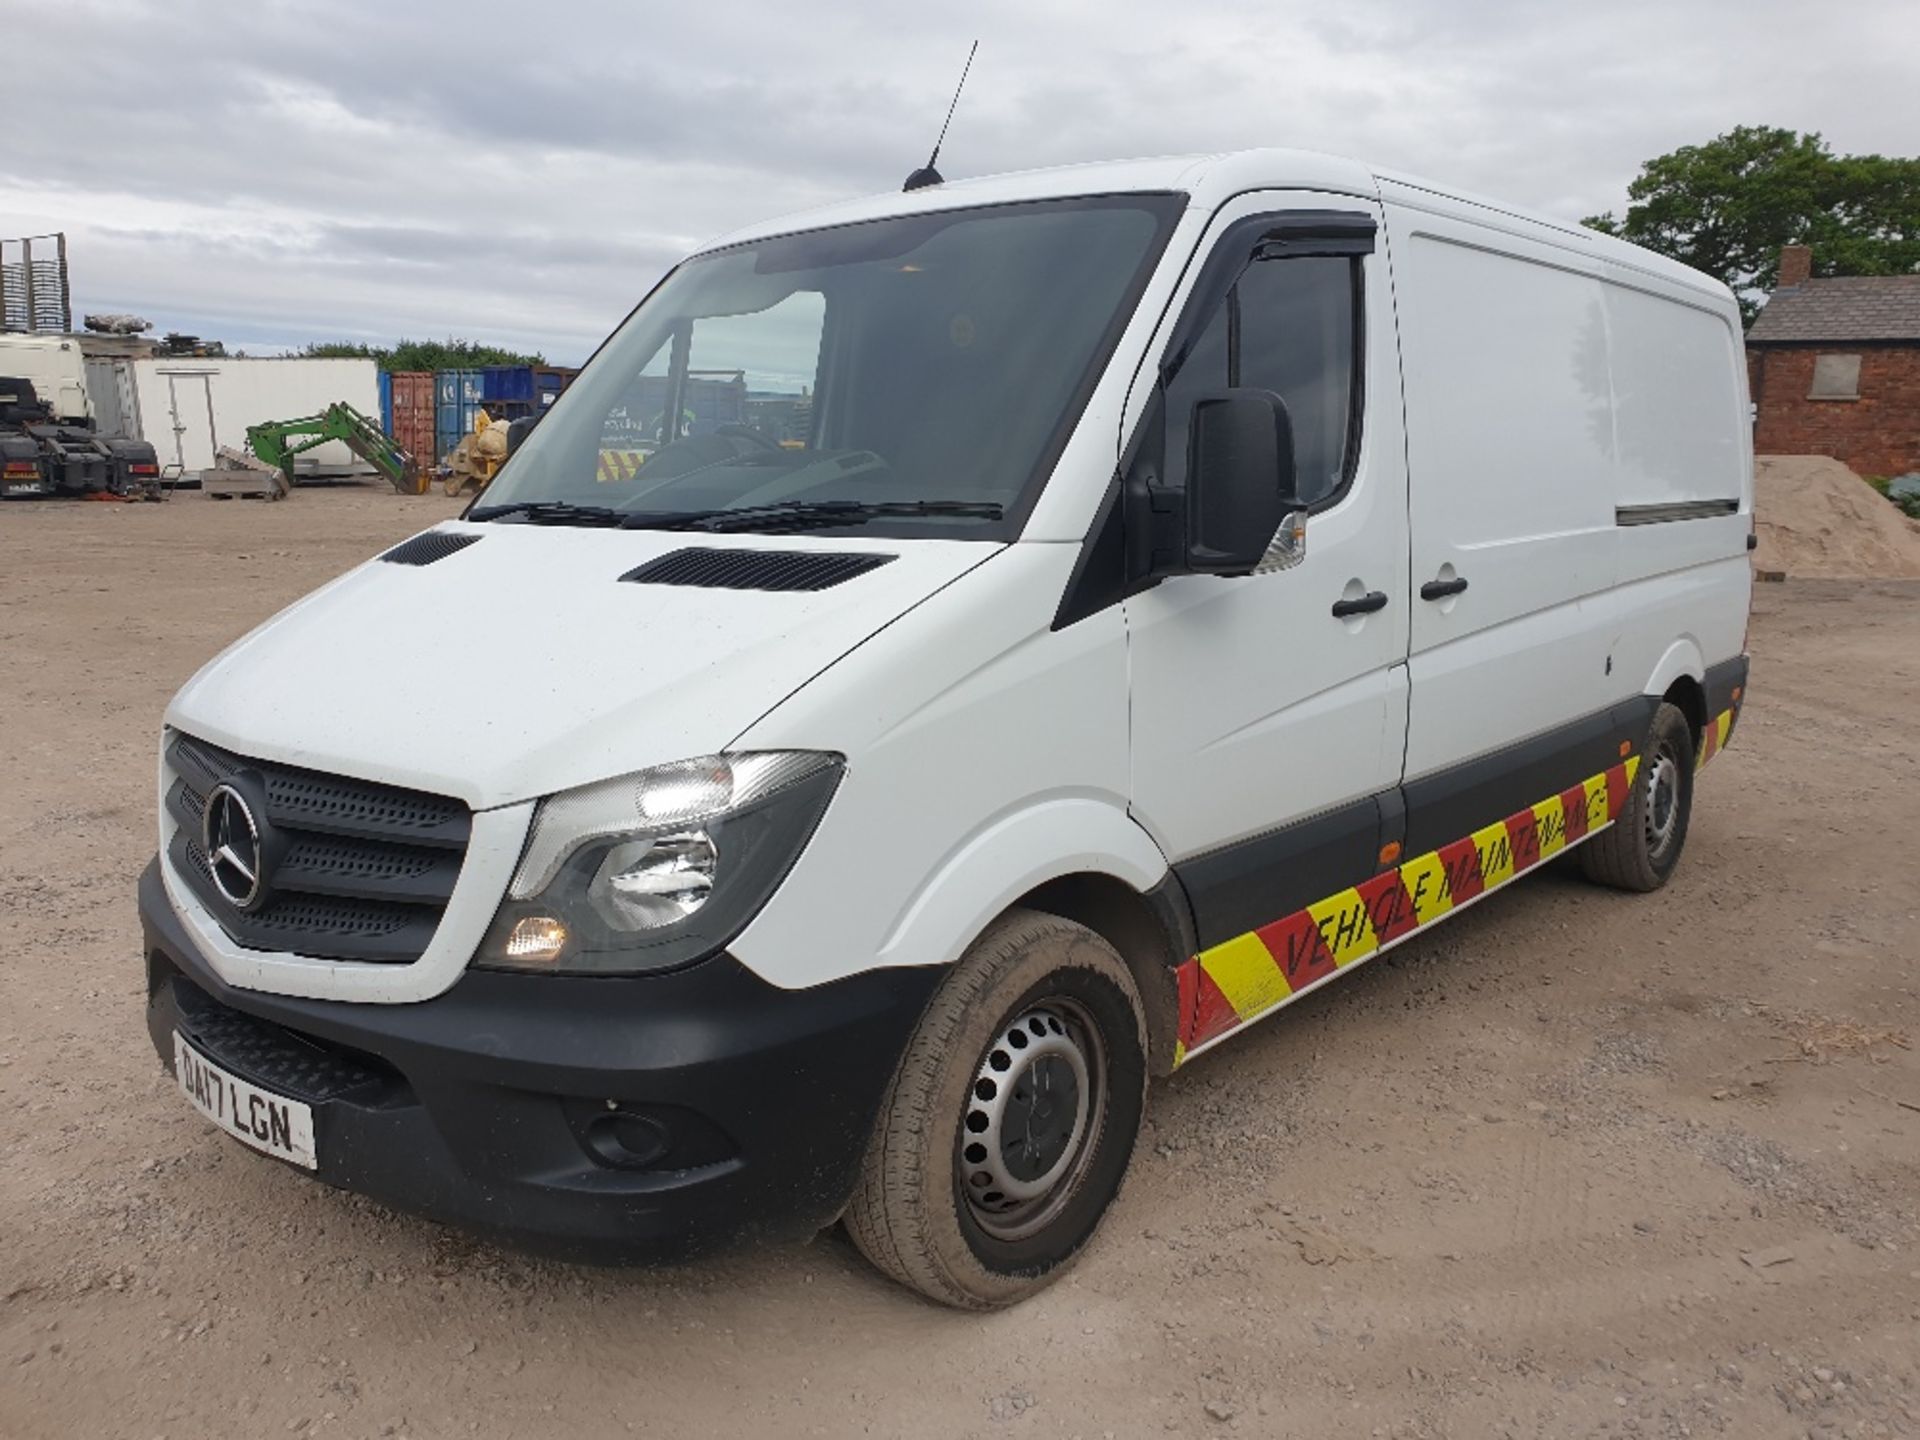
1736 694
1626 748
1390 852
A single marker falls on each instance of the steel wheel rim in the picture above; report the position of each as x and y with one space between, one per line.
1031 1120
1663 801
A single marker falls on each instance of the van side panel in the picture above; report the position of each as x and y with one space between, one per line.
1677 402
1510 444
1684 486
1578 452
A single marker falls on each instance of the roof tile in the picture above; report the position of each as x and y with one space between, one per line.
1845 307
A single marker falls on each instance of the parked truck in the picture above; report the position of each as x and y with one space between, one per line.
49 444
43 455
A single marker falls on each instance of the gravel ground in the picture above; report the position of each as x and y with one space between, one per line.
1578 1164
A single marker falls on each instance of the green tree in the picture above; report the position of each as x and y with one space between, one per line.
423 354
1726 207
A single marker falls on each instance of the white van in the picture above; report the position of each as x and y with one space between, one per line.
1028 631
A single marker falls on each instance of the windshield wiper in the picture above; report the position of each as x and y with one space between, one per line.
811 514
782 515
550 512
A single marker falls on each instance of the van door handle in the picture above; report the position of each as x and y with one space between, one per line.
1441 589
1361 605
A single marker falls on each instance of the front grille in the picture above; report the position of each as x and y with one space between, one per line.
354 870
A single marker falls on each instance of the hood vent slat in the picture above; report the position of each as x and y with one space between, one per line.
712 568
429 547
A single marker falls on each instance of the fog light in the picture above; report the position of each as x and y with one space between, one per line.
539 938
628 1140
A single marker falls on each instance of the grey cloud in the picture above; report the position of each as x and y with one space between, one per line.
275 172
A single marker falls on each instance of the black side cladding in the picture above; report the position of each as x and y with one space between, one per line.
427 548
1456 801
1243 885
715 568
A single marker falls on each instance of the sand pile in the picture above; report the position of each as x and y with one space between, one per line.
1818 520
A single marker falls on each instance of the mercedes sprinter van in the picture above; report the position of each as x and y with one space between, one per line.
948 659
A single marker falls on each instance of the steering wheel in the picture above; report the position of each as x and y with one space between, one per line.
746 432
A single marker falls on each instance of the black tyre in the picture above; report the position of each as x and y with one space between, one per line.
1642 848
1006 1131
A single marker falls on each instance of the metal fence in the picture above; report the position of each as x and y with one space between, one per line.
34 295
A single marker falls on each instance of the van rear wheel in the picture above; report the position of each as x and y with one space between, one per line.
1006 1132
1641 849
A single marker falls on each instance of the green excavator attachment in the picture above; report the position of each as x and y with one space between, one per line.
277 441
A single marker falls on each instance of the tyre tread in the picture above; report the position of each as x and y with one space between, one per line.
888 1216
1617 857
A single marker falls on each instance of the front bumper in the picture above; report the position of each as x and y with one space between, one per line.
738 1110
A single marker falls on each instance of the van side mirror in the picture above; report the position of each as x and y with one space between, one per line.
1240 482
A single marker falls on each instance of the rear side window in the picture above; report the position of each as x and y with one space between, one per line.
1674 375
1288 325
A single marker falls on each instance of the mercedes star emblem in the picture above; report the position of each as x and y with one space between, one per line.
233 847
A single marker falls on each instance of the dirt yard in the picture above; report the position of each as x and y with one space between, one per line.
1579 1164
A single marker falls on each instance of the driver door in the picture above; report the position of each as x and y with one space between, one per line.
1270 710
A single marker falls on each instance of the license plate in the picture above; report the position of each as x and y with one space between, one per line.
268 1122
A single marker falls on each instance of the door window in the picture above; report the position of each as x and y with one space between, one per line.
1289 326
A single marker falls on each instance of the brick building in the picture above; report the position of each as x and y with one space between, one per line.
1834 366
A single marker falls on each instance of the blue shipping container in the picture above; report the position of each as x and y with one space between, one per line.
548 383
507 385
456 406
523 388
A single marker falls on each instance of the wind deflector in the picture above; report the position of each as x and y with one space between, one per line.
1278 236
711 568
427 548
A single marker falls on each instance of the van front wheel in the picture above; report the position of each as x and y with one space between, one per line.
1643 846
1006 1132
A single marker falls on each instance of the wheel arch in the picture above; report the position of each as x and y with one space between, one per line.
1680 680
1152 931
1079 858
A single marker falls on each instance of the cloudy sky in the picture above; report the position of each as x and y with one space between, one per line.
271 173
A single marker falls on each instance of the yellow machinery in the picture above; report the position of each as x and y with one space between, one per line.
474 462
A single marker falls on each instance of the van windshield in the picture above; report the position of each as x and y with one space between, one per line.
912 376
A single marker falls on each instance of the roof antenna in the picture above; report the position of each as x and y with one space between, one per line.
927 175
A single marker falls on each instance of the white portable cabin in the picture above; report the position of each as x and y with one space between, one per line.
188 407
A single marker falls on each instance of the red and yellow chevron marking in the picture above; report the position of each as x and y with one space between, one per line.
1715 740
619 465
1250 976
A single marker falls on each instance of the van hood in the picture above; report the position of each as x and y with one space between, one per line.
522 664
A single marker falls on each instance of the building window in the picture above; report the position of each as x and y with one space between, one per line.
1835 377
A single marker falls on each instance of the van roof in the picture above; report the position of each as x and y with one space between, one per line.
1210 180
1207 178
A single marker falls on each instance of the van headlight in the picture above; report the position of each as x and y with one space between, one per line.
660 868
